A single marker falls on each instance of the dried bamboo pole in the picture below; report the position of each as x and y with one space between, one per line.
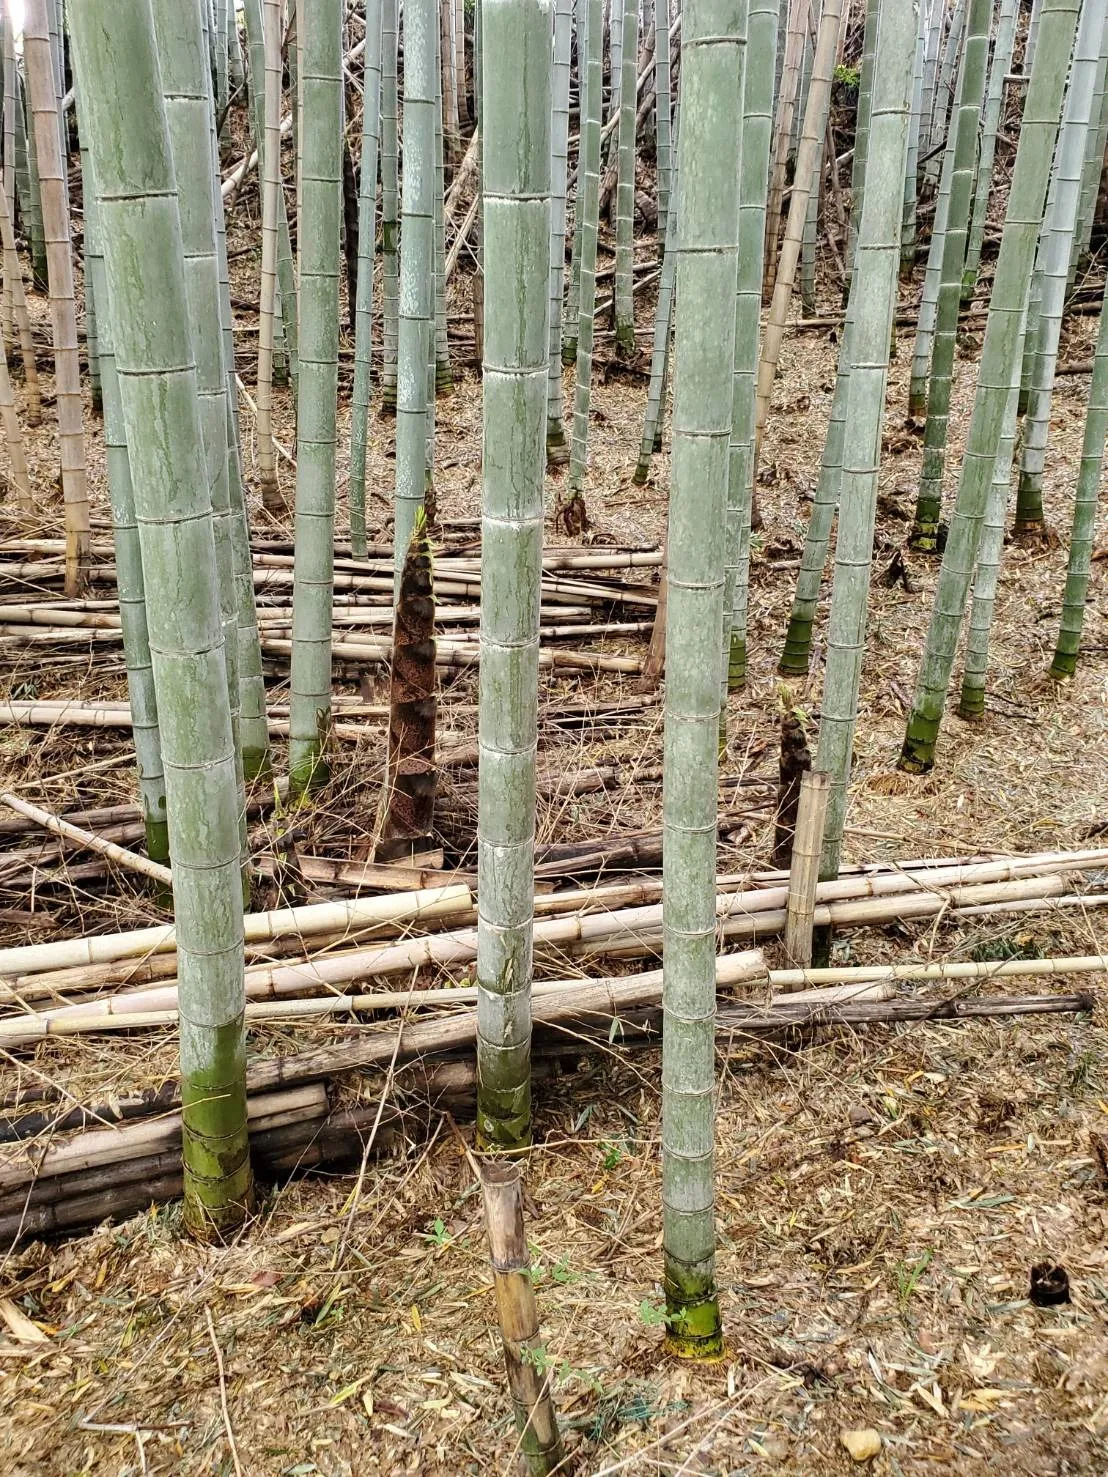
118 854
43 103
17 454
529 1376
815 791
33 406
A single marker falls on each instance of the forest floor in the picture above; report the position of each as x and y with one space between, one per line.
882 1193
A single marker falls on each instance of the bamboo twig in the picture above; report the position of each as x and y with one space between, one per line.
118 854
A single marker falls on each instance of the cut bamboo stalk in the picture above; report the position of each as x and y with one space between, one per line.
529 1374
815 791
118 854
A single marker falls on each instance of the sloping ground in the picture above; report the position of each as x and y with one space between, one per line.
882 1195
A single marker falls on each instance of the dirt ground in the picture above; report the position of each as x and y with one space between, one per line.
882 1193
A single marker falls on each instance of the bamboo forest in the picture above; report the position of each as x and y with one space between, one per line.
553 737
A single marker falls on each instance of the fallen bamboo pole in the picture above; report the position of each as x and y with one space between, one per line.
85 839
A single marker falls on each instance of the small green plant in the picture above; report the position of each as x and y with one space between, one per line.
613 1156
438 1235
908 1276
847 76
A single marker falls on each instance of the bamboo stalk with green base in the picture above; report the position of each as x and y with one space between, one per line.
757 122
515 122
573 513
118 74
183 66
1084 511
950 246
971 704
363 311
417 271
128 558
319 210
556 450
625 182
1056 249
999 68
390 200
999 361
704 361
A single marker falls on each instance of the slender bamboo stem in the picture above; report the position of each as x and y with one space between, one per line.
999 68
515 121
363 313
319 204
42 94
13 436
625 186
663 325
271 192
587 226
31 391
390 196
559 180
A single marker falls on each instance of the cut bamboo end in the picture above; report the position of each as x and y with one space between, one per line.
800 908
529 1375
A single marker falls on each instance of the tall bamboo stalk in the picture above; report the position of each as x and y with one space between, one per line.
63 311
319 208
999 68
663 324
1057 247
915 134
861 130
130 153
30 209
704 361
130 582
270 155
663 114
796 26
815 125
1003 341
757 122
559 180
13 435
417 271
944 92
363 313
515 120
950 244
625 182
587 226
1084 511
460 59
1093 170
442 378
390 203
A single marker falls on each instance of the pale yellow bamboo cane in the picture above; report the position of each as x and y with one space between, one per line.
13 272
17 455
86 839
39 69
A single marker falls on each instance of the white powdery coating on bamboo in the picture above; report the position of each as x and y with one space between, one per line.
515 119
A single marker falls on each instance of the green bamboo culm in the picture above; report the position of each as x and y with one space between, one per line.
571 311
999 68
1093 170
415 344
31 208
876 265
319 208
559 180
363 313
1084 510
757 122
186 96
625 182
515 120
128 555
587 226
664 142
1003 341
92 246
663 326
704 359
443 376
118 74
1056 248
390 205
861 131
951 251
915 134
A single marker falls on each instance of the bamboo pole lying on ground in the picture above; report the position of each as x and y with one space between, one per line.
109 849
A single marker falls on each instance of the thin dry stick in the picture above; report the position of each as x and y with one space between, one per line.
223 1392
528 1380
86 839
800 909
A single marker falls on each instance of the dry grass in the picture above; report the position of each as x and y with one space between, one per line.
882 1195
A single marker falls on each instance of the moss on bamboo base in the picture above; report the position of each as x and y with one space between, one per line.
641 474
798 649
569 350
215 1147
694 1329
971 704
736 663
918 754
504 1116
